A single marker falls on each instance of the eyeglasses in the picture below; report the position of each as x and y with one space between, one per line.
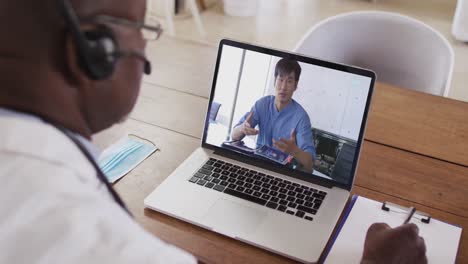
150 29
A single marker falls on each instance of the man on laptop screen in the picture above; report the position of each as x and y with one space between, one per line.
283 123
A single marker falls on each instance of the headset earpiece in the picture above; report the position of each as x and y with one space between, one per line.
99 58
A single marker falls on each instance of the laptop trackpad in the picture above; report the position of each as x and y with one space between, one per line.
233 219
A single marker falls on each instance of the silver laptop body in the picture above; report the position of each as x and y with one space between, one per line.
259 197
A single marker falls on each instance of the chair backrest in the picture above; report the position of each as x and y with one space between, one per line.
214 111
401 50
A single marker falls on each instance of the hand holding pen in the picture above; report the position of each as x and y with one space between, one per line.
394 245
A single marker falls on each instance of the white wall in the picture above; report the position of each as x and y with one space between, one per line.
226 83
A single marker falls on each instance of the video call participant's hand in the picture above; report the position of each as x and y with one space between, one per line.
394 245
246 128
287 146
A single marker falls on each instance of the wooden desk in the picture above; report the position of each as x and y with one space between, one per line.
415 153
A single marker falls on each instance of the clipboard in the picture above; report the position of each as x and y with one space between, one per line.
442 239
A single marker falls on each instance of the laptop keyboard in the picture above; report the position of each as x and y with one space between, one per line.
272 192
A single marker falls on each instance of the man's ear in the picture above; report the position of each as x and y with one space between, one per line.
75 72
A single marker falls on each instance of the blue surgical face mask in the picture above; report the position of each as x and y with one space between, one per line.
123 156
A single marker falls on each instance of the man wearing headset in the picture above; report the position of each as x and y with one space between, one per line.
69 69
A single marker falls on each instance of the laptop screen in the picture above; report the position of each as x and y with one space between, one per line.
296 113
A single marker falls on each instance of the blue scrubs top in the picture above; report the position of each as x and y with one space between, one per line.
273 124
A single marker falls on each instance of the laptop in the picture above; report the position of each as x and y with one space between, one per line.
271 186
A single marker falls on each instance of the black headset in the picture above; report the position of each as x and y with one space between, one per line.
97 49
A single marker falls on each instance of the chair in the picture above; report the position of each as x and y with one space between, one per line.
214 111
401 50
168 9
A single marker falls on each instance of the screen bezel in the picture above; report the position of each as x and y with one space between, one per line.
276 167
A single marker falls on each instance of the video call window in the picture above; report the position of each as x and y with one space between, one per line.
299 115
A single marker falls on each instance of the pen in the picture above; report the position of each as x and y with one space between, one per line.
410 215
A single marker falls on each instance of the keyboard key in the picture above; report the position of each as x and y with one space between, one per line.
300 196
266 197
273 193
290 187
259 183
215 181
290 212
270 177
217 170
225 172
210 162
199 175
240 189
245 196
249 180
292 193
223 178
322 193
299 190
282 196
257 194
248 185
299 201
209 185
291 199
283 202
272 205
224 183
307 210
208 167
261 174
308 204
240 183
281 185
208 178
287 182
308 218
300 214
257 188
317 206
231 180
249 191
307 193
201 182
266 185
216 175
266 180
232 185
282 208
193 179
242 178
275 188
282 190
275 199
295 184
318 196
265 190
203 171
219 188
292 205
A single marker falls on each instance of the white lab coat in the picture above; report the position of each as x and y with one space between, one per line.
53 209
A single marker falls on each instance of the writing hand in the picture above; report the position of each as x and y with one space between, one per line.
394 245
287 145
